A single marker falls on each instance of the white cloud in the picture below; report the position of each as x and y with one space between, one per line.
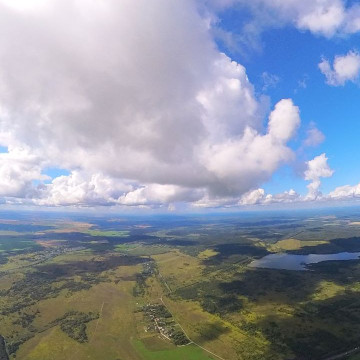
317 168
284 197
158 194
135 93
321 17
259 196
314 136
302 84
18 170
284 120
344 68
253 197
269 80
345 192
240 163
25 5
80 189
213 202
250 198
341 193
352 21
138 104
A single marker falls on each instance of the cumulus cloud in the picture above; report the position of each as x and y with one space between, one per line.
81 189
138 104
284 121
314 136
78 188
253 197
259 196
159 194
18 171
135 101
241 162
344 68
345 192
321 17
352 23
317 168
284 197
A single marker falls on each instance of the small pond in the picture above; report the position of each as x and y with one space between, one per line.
299 262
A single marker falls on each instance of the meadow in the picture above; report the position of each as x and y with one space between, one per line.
76 288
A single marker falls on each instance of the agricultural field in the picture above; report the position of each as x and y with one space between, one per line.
178 287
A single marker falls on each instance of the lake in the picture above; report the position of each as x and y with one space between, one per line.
299 262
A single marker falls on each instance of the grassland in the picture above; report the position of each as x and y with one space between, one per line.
293 244
109 233
190 352
198 268
109 336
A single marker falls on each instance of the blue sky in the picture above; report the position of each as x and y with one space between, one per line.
293 55
179 105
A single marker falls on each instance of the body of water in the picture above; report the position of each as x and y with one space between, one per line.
299 262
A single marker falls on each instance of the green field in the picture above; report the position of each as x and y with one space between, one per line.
109 233
189 352
71 292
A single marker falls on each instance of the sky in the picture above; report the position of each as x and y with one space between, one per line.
179 105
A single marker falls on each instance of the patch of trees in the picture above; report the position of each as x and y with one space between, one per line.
212 297
49 280
94 279
35 287
74 286
179 338
351 244
14 345
26 319
250 328
162 321
16 306
221 304
3 352
315 344
73 324
149 268
158 310
140 285
93 266
212 330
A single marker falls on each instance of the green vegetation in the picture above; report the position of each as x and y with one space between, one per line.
73 323
293 244
17 244
189 352
156 288
159 319
36 286
13 346
3 352
108 233
25 319
148 270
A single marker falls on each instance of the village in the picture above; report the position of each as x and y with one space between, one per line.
160 320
